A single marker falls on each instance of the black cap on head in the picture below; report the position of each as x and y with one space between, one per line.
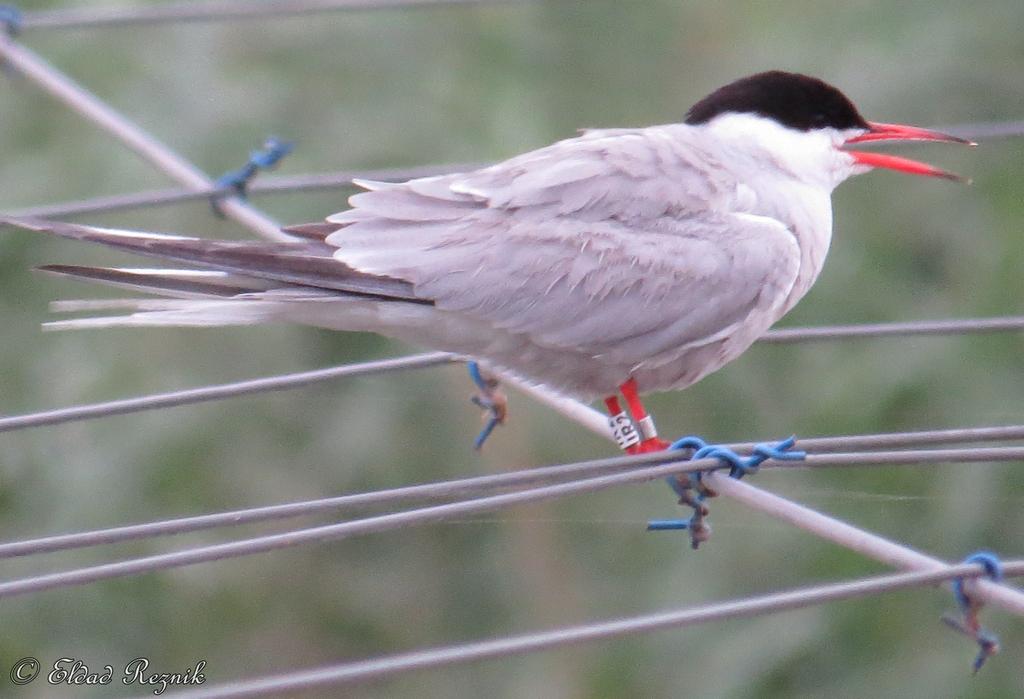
796 101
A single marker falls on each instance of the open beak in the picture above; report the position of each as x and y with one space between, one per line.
899 132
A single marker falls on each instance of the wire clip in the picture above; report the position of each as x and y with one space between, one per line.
11 19
273 151
967 623
491 399
693 492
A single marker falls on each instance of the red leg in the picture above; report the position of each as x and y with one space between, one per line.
644 421
612 403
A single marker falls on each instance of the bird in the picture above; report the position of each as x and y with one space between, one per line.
621 260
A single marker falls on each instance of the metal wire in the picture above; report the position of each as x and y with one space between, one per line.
903 439
390 666
985 130
903 329
272 383
216 11
835 530
220 392
342 530
852 538
444 490
270 184
265 184
829 528
84 103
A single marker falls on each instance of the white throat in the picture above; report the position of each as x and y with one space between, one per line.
791 175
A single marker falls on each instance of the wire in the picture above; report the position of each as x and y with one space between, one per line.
904 329
835 530
380 523
270 184
266 184
443 490
850 537
84 103
832 529
903 439
186 397
389 666
985 130
438 490
215 11
220 392
343 178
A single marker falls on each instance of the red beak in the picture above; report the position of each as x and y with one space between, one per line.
899 132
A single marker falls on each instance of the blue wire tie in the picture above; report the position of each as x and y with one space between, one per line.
273 151
691 442
740 466
660 525
993 570
988 643
693 492
11 19
478 378
484 402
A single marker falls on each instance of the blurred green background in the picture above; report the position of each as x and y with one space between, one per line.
411 87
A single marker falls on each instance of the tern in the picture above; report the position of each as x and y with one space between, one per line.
627 260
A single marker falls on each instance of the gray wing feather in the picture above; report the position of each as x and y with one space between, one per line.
619 173
631 297
613 244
